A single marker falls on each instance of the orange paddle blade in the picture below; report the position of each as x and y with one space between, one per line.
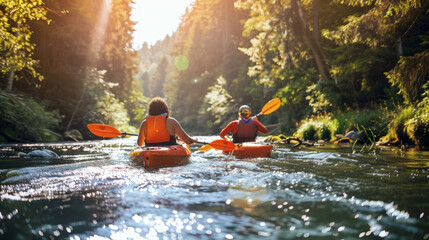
102 130
222 145
271 106
205 148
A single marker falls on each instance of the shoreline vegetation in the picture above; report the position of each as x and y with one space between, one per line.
376 127
345 71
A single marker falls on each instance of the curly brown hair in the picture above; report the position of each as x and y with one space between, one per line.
158 106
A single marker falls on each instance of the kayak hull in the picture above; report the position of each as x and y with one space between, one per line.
158 157
251 151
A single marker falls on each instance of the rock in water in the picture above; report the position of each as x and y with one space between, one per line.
44 153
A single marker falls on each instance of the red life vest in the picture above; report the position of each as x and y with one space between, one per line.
246 131
156 131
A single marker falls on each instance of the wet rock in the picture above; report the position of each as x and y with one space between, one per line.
353 135
44 153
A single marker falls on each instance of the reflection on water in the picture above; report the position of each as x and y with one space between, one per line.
92 191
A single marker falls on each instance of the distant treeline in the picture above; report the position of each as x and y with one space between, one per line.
348 64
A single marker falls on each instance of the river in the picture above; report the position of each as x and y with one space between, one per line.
93 192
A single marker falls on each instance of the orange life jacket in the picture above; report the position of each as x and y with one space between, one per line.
156 131
246 131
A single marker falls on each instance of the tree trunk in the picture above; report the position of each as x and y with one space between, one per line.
399 50
10 80
311 42
12 70
316 30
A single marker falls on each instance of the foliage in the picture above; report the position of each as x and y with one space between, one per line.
376 119
16 49
380 24
327 126
155 63
396 131
217 104
86 38
102 106
208 37
418 126
411 125
24 118
155 87
293 94
410 75
117 55
358 74
317 128
318 100
309 132
368 143
281 37
140 103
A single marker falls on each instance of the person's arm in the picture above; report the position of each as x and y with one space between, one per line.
229 128
140 139
178 131
260 126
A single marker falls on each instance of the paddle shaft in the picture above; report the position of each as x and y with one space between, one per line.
129 134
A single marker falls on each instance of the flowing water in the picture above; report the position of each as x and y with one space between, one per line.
93 192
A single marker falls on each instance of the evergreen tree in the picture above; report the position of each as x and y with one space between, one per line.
158 79
118 57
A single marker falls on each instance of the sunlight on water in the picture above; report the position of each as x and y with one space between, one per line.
93 192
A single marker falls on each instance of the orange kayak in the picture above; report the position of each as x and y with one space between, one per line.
158 157
250 151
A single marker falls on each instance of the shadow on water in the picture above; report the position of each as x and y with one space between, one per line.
92 191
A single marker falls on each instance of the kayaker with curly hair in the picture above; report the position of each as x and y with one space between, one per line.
159 129
244 129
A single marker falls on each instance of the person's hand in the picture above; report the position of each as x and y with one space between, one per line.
226 138
194 140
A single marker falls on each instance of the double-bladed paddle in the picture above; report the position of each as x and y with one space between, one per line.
102 130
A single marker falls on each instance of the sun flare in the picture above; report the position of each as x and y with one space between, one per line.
156 19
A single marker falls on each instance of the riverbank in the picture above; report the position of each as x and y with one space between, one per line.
26 119
377 126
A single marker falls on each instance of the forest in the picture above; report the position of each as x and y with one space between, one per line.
336 65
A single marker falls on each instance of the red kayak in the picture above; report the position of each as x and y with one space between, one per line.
158 157
250 151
